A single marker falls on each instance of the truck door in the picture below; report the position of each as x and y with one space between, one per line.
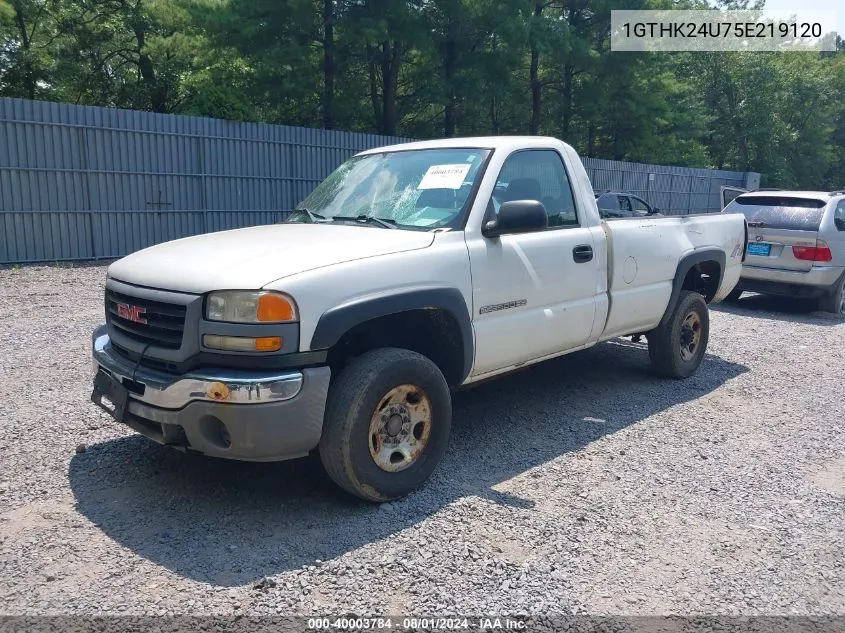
533 293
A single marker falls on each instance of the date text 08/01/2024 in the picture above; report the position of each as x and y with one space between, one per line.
414 623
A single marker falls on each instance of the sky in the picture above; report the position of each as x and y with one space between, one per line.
812 5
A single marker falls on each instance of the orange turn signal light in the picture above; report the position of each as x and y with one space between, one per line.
268 344
243 343
275 308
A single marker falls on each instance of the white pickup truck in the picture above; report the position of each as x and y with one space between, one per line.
410 271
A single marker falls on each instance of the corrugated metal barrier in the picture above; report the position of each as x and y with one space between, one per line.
80 183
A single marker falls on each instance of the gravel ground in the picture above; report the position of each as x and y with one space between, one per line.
584 485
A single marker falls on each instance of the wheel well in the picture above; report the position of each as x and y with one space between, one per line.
434 333
704 278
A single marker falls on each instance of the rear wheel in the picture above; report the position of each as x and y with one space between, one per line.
677 347
835 301
387 424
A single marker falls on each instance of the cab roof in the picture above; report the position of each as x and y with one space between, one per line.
481 142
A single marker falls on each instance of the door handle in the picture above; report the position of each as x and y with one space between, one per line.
582 253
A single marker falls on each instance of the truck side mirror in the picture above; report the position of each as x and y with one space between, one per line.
517 216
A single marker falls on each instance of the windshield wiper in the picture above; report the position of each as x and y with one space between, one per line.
367 219
314 217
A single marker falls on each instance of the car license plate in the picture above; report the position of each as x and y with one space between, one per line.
759 249
110 395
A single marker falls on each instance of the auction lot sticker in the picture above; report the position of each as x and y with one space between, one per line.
444 176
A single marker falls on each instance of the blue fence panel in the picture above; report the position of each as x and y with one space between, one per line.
79 182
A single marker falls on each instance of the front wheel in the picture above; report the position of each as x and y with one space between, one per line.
387 423
677 346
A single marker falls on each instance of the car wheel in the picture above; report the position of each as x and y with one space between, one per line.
387 423
677 346
835 301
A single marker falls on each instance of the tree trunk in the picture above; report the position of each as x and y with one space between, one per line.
534 76
26 45
566 97
450 62
390 63
375 101
158 95
328 64
494 116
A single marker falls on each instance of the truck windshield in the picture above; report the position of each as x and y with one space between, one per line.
414 189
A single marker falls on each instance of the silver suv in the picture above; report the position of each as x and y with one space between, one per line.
796 245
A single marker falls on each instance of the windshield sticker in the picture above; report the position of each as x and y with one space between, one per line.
444 176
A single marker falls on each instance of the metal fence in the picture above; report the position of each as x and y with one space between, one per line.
79 182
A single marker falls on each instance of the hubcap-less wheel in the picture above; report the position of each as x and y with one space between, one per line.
400 427
690 335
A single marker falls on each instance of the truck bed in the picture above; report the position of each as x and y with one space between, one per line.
643 256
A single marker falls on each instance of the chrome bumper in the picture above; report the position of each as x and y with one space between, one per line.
167 391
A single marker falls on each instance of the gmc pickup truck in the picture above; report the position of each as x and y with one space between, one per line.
411 271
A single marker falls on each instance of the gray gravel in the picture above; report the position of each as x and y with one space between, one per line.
585 485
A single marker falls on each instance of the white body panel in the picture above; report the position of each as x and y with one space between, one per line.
247 259
644 255
624 289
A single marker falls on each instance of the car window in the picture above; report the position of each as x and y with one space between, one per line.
839 215
537 175
608 206
640 207
625 206
779 212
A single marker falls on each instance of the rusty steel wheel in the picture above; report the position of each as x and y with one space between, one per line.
387 422
677 346
400 428
690 336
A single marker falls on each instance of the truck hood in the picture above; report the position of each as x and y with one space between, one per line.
248 259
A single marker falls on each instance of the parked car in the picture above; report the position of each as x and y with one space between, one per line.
796 245
617 204
407 273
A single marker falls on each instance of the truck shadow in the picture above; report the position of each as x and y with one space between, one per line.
230 523
775 308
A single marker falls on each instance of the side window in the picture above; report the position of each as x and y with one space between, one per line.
625 206
640 207
538 175
839 216
608 205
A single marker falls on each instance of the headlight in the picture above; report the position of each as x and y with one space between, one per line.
260 306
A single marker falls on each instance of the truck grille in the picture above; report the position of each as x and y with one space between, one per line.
165 322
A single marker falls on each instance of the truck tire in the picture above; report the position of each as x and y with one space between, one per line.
835 301
677 347
387 423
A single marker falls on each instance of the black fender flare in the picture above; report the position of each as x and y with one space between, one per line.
337 321
684 266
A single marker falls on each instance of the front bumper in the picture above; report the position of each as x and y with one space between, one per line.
814 283
255 416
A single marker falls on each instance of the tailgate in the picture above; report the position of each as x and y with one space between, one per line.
776 224
772 248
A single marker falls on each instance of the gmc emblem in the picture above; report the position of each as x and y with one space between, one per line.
132 313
